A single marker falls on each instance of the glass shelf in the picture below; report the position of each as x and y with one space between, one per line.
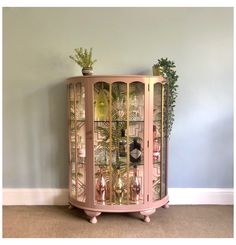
114 164
78 120
119 121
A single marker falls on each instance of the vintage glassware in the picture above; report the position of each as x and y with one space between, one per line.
101 106
135 151
120 106
122 144
135 108
135 186
156 144
101 188
119 187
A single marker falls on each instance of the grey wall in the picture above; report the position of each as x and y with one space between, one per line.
36 46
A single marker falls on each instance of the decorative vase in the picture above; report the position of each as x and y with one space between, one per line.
102 106
119 188
135 187
157 70
101 188
87 71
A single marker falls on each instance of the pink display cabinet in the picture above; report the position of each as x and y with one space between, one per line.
117 144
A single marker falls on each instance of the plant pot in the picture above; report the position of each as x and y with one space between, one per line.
87 71
157 70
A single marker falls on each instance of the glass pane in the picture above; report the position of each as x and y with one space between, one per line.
77 141
157 126
102 142
136 141
119 147
72 140
101 99
165 139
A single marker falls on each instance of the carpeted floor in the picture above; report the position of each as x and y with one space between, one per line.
60 222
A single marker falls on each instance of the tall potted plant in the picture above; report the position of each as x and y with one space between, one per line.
166 68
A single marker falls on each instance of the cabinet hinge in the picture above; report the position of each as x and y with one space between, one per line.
148 198
148 87
148 143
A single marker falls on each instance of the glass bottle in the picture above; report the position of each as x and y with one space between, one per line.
101 188
118 187
102 106
120 108
135 151
135 186
156 145
122 144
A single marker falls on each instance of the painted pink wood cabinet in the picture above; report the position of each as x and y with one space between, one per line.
117 144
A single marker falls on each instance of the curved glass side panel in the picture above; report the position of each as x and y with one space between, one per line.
165 141
77 141
72 140
157 140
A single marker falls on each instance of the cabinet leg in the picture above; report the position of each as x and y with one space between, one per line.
92 215
70 206
147 219
166 205
147 213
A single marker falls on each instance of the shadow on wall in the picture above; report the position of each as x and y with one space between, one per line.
46 132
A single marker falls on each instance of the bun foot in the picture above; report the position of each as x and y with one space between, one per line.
147 219
166 205
70 206
93 220
92 215
146 214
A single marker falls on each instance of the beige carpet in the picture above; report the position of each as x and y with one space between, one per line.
61 222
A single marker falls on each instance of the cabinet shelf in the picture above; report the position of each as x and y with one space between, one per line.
119 121
124 164
77 120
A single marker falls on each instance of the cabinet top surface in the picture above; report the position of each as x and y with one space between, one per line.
95 77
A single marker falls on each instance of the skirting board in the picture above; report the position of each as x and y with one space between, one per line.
177 196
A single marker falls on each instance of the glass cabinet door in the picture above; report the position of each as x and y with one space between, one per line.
77 141
118 142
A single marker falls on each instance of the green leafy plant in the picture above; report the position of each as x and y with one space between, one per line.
166 68
83 57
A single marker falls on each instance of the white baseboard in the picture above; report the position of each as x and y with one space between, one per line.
177 196
195 196
35 196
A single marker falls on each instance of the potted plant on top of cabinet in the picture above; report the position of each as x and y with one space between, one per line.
83 58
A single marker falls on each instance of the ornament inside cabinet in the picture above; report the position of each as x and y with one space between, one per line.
117 144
